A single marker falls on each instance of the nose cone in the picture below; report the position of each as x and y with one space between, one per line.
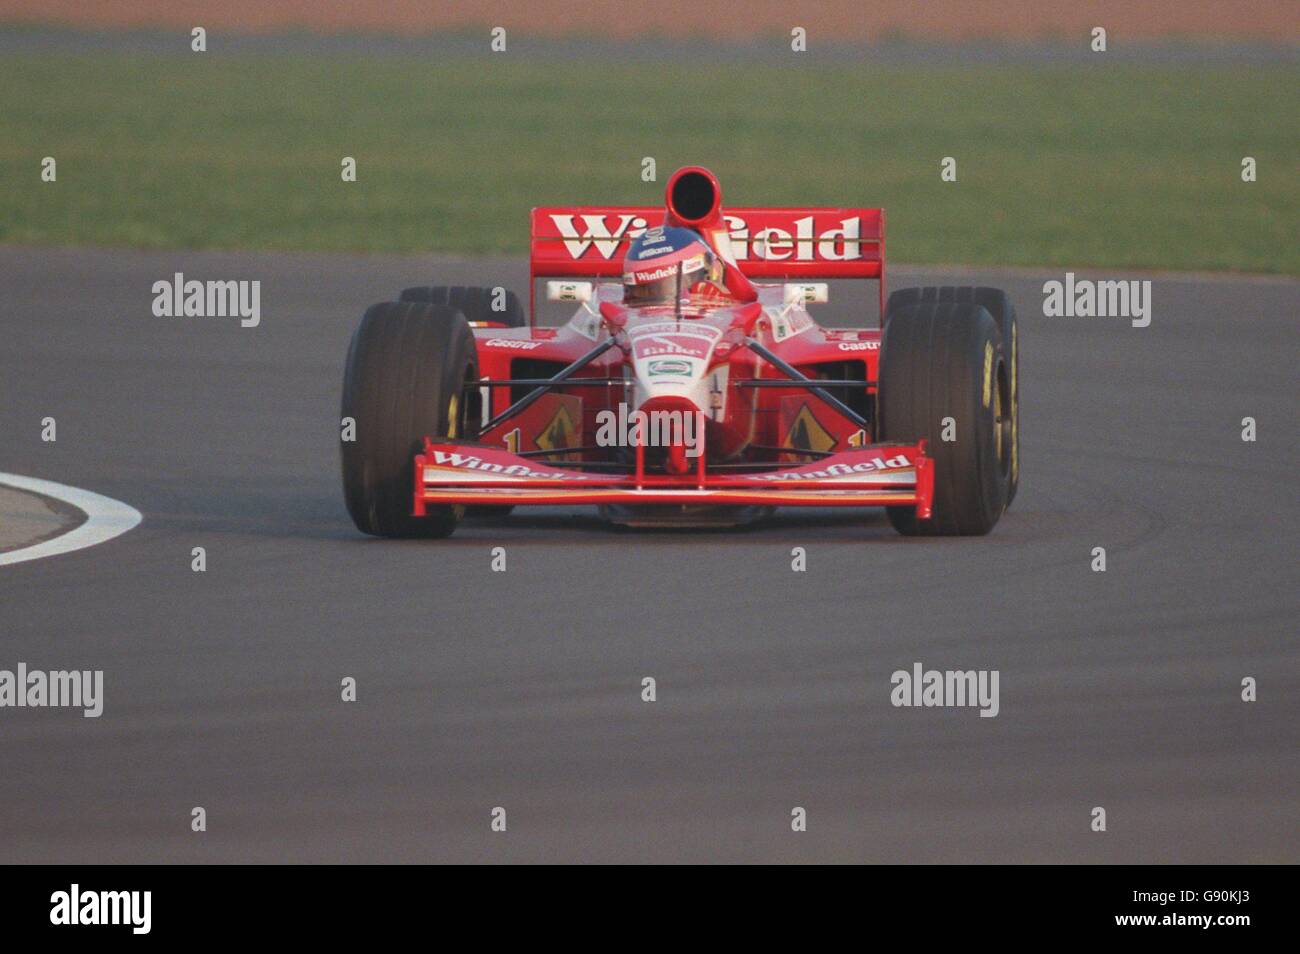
671 360
675 424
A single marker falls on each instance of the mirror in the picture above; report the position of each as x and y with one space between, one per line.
569 291
807 293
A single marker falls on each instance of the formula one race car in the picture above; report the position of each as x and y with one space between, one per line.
685 390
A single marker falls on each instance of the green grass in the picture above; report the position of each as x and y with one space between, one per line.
1116 165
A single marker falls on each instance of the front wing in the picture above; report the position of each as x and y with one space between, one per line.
873 476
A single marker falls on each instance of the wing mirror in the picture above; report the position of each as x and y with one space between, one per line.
809 293
569 291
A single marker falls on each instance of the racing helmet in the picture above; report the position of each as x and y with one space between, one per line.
664 262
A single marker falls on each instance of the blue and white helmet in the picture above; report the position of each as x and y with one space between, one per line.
665 262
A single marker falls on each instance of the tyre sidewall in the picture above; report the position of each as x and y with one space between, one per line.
938 361
998 304
406 362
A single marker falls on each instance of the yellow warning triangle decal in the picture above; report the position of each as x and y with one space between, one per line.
806 433
560 432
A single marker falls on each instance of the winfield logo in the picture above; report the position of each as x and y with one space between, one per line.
875 465
798 240
653 275
471 462
597 232
667 271
74 907
803 244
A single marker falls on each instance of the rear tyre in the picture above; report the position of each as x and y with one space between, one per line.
997 304
474 303
405 379
944 373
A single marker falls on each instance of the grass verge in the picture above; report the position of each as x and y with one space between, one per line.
1124 165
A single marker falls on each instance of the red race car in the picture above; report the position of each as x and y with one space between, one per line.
685 389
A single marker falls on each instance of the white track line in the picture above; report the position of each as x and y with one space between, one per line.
106 518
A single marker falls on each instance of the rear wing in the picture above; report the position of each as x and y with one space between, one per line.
589 241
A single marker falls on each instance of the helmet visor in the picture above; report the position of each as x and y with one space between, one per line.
649 284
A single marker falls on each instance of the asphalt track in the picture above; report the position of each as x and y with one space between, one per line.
522 690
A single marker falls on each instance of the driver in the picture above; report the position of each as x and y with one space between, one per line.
665 262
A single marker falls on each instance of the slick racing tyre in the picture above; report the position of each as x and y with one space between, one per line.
997 304
474 303
944 373
405 379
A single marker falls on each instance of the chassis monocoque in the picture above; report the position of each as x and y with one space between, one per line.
708 410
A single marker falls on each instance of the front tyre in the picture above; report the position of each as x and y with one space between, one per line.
405 379
945 379
998 304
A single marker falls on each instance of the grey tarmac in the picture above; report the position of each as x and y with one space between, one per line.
523 689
